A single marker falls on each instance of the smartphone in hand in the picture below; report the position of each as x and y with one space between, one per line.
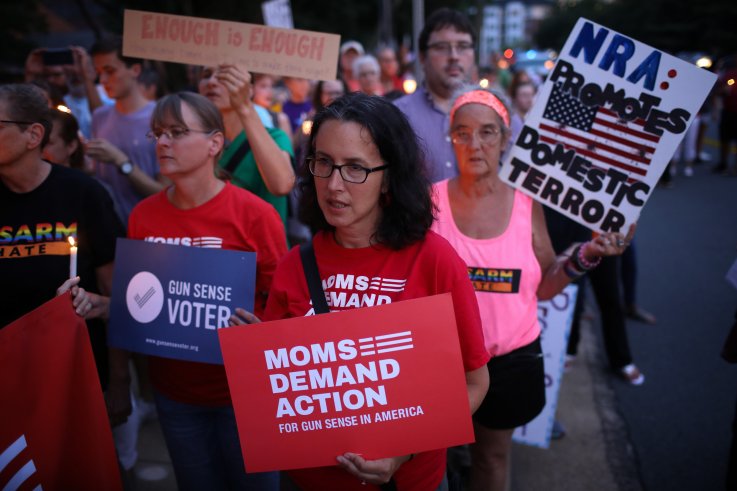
57 56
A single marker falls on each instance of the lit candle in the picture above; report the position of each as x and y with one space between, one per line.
409 86
72 257
306 126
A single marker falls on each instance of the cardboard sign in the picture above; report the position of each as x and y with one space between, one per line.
199 41
170 300
604 127
277 13
555 317
380 381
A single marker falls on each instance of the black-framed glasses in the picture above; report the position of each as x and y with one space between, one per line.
176 133
446 48
19 123
357 174
486 134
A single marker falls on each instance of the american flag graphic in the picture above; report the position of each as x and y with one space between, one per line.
597 134
386 284
208 242
386 343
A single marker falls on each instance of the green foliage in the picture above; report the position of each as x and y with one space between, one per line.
353 19
17 21
670 25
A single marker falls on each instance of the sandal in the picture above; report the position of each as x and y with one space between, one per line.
632 374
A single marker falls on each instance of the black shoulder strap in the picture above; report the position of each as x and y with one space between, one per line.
234 161
309 264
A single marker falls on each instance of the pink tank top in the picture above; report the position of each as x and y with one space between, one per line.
504 271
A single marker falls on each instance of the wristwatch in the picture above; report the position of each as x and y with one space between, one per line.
126 168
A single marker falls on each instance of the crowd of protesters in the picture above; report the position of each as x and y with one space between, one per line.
380 179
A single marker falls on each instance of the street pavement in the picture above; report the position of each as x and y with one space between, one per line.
680 420
673 432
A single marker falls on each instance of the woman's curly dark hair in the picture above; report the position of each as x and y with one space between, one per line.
407 208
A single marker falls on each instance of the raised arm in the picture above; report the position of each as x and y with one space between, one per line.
274 164
557 272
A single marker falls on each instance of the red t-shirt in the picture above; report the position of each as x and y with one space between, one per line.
234 219
377 275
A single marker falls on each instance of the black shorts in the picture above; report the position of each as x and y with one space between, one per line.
728 127
516 390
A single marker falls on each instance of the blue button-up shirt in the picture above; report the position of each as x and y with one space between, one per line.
432 127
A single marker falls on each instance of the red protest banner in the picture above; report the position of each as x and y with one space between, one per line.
55 432
380 381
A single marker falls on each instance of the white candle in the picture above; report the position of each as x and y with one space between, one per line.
72 257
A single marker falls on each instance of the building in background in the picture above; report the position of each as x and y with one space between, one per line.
510 24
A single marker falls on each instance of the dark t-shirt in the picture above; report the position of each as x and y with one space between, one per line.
296 111
34 247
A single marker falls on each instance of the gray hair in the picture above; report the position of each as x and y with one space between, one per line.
464 89
365 60
27 103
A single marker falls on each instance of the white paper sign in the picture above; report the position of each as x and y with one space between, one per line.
605 124
555 317
277 13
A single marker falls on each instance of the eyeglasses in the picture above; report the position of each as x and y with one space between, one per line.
446 48
357 174
175 133
19 123
488 135
333 94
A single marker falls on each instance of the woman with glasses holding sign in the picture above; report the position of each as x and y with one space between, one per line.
193 399
365 194
501 235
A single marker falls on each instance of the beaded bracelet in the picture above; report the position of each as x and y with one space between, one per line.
582 262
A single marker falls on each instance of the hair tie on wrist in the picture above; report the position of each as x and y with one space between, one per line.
570 270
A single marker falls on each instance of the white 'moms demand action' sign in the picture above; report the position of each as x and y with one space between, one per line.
604 127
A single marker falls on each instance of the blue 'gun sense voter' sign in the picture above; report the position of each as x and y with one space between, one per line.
169 300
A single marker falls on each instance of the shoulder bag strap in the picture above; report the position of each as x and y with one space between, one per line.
234 161
309 264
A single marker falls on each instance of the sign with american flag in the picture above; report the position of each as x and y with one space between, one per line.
598 134
604 126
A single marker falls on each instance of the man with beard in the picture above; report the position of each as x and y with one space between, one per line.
447 55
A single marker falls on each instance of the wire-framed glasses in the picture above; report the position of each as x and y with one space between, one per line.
486 134
446 48
175 133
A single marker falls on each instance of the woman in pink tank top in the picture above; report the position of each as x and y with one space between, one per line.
502 236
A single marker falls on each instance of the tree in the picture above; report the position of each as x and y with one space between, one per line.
18 20
670 25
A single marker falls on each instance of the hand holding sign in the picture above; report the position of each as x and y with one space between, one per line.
371 471
608 244
199 41
237 81
241 317
604 126
309 381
